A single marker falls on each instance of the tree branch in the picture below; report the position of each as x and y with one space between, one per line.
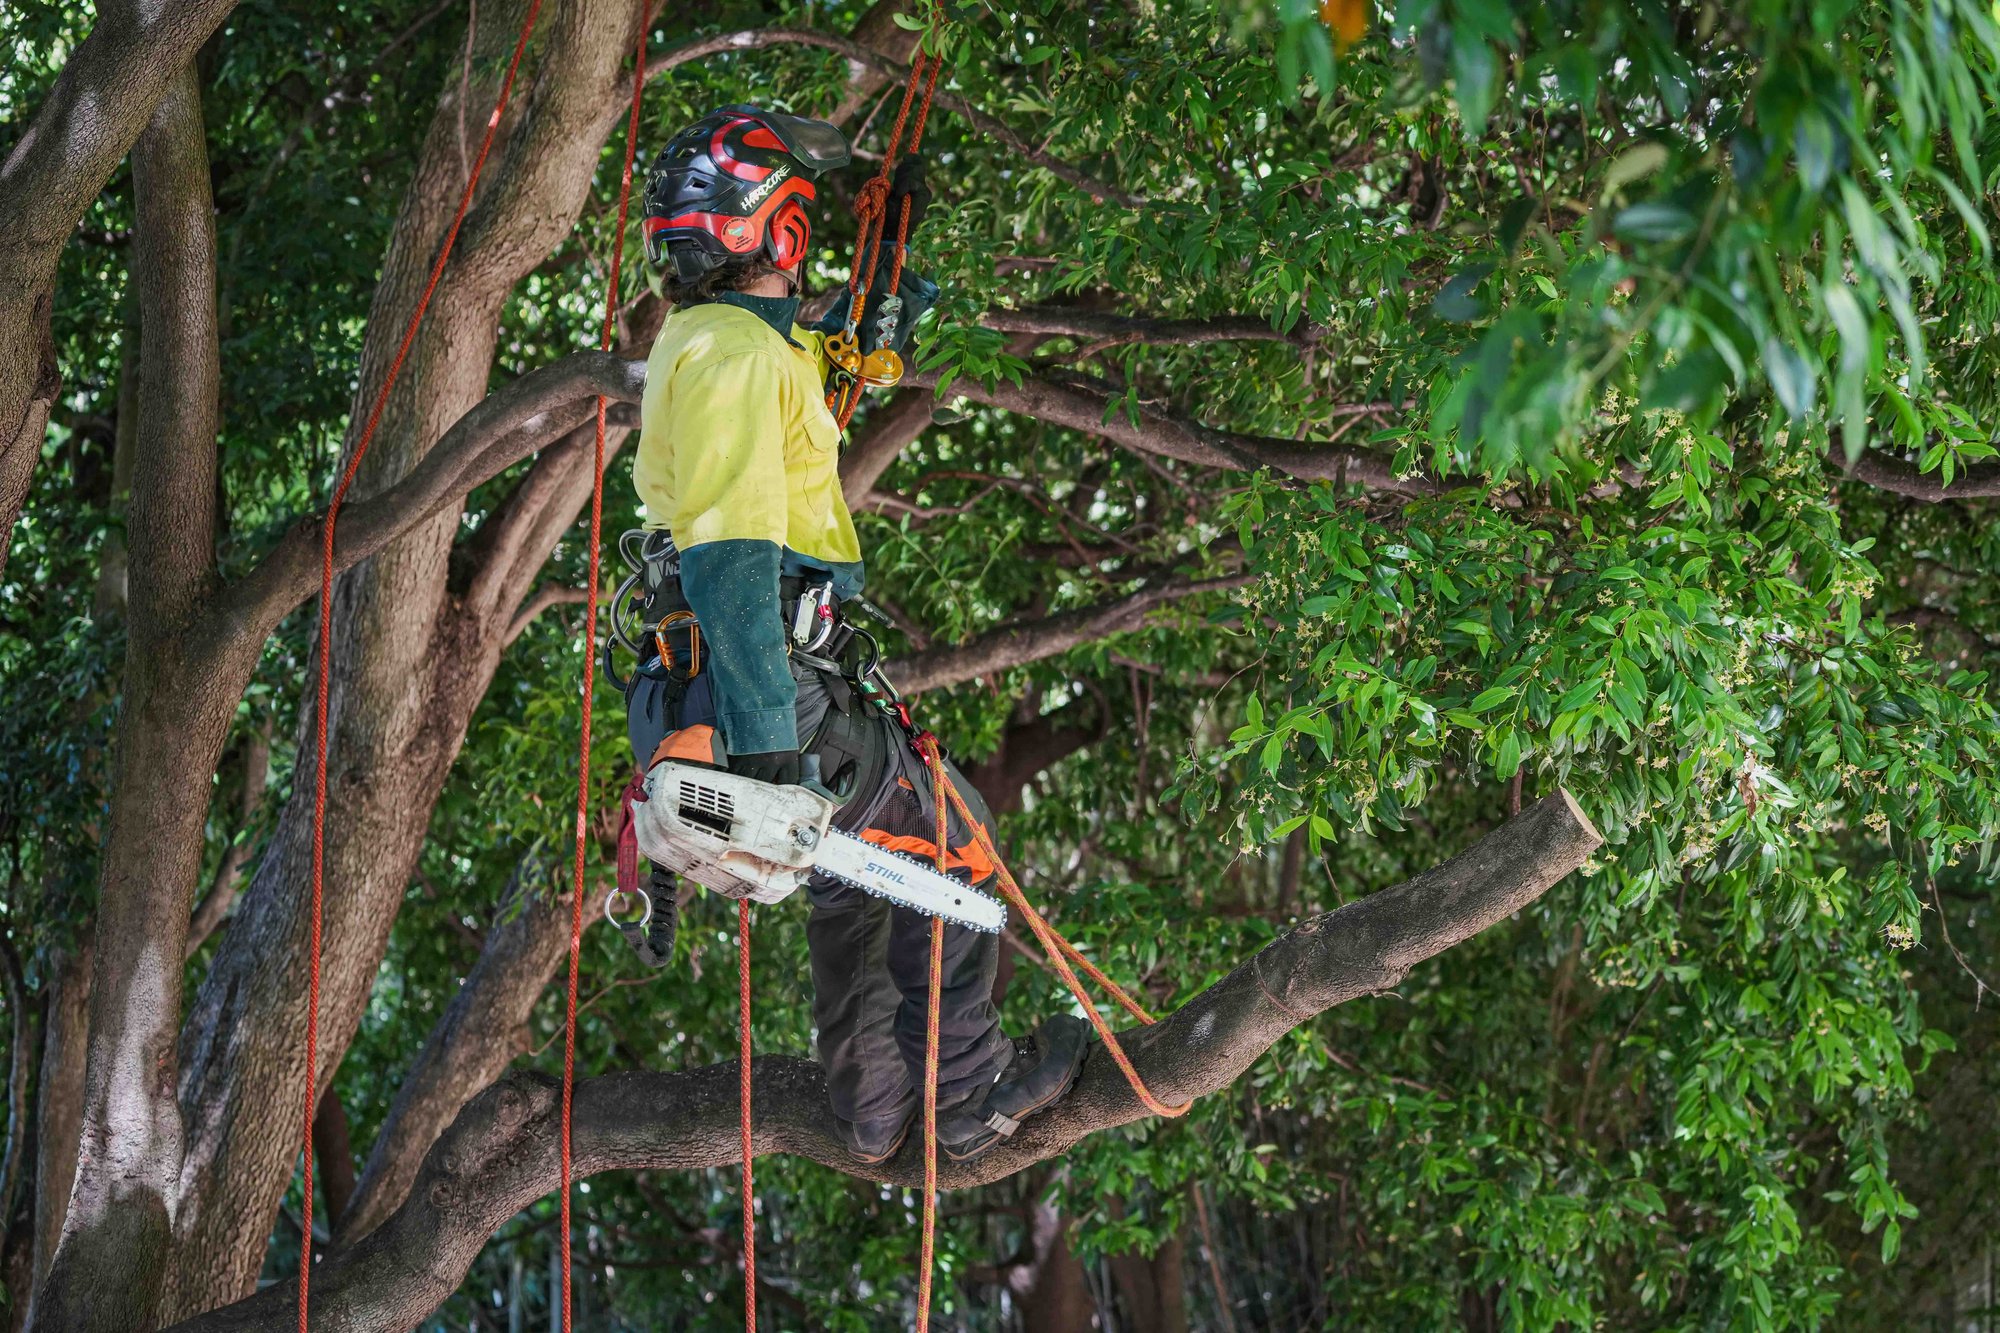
1079 404
1873 468
501 1153
472 1043
891 429
1099 327
756 39
1015 645
100 103
506 426
229 876
546 596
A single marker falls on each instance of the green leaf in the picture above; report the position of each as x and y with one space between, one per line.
1653 222
1492 698
1635 163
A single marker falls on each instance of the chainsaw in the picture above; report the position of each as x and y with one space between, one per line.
743 838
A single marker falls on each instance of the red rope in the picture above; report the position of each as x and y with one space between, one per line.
605 342
743 1115
320 706
1059 949
872 205
928 1248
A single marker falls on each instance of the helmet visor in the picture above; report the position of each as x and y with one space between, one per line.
818 145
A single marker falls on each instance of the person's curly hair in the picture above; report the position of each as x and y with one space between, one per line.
733 276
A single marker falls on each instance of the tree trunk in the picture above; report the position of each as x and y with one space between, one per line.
56 166
114 1241
411 660
59 1102
1053 1291
1152 1290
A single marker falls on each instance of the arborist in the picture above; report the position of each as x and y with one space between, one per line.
749 663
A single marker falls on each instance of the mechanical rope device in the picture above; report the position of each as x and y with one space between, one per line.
754 838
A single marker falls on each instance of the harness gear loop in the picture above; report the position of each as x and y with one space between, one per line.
325 682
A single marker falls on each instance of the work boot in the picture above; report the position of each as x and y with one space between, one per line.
655 945
1042 1070
876 1140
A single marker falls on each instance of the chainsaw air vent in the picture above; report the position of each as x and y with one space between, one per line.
706 808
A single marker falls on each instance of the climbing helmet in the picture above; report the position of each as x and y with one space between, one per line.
734 185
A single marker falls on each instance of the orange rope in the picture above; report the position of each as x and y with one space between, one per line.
743 1118
326 646
606 341
927 1250
872 205
1059 950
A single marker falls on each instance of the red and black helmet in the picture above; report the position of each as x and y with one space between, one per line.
734 185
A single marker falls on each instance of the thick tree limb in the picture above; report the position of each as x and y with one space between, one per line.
100 103
892 428
501 1153
1105 328
1015 645
474 1040
755 39
1873 468
506 426
1079 404
112 1253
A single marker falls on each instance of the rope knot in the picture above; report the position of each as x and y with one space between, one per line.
873 201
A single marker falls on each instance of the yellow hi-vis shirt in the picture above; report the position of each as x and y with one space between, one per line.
735 440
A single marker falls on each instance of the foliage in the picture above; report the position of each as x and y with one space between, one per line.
1630 283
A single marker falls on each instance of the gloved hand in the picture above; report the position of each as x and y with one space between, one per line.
906 183
780 767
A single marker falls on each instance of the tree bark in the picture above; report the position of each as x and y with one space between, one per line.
1007 646
1052 1288
59 1102
333 1156
101 102
501 1153
473 1042
411 657
121 1210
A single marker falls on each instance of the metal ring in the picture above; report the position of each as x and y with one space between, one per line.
611 913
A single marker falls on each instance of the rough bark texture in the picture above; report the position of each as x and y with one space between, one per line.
101 101
412 653
502 1151
477 1037
114 1242
59 1101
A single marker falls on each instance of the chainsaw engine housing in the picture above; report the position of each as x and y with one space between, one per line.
730 834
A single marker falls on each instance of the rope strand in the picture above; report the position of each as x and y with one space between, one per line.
743 1117
325 682
605 342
